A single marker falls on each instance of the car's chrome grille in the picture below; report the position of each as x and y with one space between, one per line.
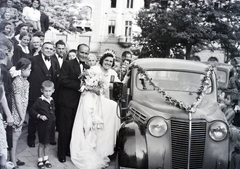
180 144
141 117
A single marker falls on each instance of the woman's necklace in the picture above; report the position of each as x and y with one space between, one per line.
105 72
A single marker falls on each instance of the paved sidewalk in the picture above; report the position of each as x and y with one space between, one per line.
29 155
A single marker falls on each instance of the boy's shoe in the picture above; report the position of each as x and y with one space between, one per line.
47 164
20 163
53 143
16 167
40 165
8 164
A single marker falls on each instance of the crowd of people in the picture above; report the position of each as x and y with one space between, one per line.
229 98
47 81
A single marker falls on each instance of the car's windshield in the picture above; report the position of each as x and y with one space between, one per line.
172 80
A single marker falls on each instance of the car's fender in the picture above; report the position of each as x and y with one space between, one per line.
131 145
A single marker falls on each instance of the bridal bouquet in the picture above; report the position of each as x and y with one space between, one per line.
93 81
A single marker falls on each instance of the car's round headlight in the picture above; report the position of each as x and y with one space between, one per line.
218 131
157 126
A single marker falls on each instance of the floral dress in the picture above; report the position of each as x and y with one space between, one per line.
21 87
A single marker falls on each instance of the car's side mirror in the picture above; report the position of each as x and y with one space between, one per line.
117 90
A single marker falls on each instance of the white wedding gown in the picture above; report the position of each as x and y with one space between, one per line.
94 131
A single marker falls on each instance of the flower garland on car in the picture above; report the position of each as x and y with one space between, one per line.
93 81
179 104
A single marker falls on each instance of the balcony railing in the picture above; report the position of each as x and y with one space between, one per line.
83 24
125 41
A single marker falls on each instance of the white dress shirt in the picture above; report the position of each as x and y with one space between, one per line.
47 62
60 60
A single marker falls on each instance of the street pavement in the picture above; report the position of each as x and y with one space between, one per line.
29 155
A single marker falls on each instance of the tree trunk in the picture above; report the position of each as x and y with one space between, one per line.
188 50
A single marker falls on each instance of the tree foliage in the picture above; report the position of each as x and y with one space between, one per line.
60 15
175 28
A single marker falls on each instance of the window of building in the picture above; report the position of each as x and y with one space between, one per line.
111 27
113 3
128 28
129 3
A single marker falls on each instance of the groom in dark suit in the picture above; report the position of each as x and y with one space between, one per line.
69 98
43 68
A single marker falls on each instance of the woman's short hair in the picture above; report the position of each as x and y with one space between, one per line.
39 34
105 56
3 24
22 34
39 3
19 27
91 55
22 63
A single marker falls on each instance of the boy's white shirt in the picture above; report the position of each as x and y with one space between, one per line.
44 98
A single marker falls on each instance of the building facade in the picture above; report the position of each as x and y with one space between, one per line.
105 25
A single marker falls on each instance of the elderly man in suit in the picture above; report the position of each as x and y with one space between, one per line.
43 68
69 96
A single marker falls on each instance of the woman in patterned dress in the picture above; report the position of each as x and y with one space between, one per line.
20 96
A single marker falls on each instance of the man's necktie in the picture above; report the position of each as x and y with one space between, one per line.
47 58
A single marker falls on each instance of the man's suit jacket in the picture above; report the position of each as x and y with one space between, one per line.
69 83
44 20
40 73
57 86
55 58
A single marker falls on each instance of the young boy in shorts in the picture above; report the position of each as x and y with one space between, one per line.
43 110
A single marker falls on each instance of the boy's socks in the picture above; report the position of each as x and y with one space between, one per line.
40 163
45 158
40 159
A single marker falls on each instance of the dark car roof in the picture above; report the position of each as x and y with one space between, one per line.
171 64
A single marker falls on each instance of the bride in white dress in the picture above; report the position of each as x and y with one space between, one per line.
96 122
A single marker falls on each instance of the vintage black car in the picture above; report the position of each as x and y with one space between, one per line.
158 135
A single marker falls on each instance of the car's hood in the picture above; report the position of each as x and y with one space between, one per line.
155 105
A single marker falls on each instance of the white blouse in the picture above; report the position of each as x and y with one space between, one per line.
31 13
